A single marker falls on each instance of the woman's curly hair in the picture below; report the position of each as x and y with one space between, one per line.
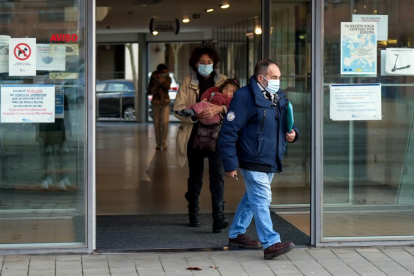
205 50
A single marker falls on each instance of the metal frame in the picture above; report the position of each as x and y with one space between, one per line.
266 21
91 124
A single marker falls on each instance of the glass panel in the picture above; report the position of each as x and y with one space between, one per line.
291 40
367 187
175 56
100 87
42 131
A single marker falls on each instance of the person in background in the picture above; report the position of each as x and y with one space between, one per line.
253 139
203 62
158 87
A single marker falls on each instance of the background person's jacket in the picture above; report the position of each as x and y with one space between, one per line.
158 87
253 133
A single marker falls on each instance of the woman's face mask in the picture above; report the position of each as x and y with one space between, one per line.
205 69
164 75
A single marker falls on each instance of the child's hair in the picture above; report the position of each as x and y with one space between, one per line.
234 82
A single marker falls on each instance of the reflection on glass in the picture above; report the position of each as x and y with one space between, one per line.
368 183
42 166
291 40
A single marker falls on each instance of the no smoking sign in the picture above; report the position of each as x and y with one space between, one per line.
22 51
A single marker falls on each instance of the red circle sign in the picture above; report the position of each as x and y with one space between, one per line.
22 51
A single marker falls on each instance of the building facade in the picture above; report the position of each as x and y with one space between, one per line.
353 166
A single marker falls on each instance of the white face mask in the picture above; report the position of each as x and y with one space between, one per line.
164 75
272 85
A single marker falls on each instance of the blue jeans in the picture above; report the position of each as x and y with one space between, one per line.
255 202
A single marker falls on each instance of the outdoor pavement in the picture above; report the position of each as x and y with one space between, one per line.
391 261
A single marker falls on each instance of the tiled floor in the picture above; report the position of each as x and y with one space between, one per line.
318 262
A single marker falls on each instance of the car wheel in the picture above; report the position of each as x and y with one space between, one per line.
129 113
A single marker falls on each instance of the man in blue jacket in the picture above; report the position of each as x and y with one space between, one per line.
253 138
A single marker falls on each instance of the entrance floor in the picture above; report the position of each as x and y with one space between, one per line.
392 261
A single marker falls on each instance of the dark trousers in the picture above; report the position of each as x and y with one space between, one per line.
195 180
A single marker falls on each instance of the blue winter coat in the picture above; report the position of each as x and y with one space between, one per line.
253 133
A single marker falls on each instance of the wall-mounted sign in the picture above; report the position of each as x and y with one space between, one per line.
399 61
22 57
381 20
164 26
358 48
64 49
4 53
28 103
355 102
47 62
59 103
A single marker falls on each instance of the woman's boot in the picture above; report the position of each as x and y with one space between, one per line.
220 222
193 209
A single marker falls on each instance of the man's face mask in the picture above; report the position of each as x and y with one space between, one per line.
272 85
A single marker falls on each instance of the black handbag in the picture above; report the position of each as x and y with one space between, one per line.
206 136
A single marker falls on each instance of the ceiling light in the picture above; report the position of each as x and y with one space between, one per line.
225 6
186 20
258 31
102 12
209 10
155 33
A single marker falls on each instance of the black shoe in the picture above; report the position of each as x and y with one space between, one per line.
194 222
220 222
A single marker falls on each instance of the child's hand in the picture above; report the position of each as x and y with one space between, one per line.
204 100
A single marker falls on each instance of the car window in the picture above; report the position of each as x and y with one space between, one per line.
100 87
116 87
127 88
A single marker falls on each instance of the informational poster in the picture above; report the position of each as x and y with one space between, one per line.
64 49
355 102
4 53
59 102
399 61
358 48
46 62
64 76
22 57
381 20
28 103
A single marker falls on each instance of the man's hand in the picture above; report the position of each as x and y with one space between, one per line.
290 136
211 111
231 174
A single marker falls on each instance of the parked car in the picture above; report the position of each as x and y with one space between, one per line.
109 94
172 92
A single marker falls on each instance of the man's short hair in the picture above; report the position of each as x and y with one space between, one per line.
262 67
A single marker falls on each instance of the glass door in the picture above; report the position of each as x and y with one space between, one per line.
290 48
42 130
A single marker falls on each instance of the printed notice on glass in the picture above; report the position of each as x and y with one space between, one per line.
4 53
355 102
59 103
22 57
399 61
381 20
28 103
46 62
358 48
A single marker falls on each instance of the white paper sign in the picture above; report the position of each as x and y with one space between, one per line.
46 62
358 48
22 57
28 103
355 102
4 53
399 61
381 20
